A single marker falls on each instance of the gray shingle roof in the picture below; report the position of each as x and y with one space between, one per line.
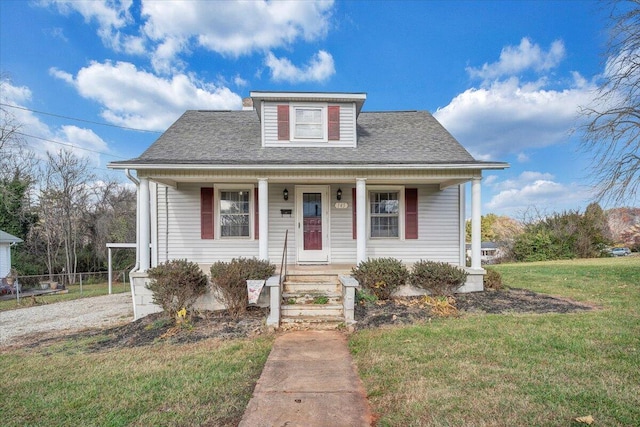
233 138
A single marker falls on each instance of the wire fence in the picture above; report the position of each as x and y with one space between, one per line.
46 283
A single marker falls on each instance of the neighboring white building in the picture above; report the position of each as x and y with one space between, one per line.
346 185
489 252
6 241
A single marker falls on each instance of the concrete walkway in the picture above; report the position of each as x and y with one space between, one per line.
309 380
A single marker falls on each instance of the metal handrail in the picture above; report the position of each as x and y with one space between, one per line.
283 262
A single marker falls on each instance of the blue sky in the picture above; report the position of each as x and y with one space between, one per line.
505 78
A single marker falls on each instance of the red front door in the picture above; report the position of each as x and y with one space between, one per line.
312 221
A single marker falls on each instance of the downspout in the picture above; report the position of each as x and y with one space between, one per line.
137 264
166 223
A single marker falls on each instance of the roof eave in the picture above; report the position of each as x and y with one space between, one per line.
357 97
363 166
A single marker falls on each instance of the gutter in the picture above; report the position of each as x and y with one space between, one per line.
193 166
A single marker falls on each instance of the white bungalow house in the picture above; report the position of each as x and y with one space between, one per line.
344 185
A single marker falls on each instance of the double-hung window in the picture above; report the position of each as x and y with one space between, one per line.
235 213
309 123
384 210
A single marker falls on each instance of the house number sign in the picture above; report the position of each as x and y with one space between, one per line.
341 205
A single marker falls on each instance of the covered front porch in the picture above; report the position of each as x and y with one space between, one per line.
332 219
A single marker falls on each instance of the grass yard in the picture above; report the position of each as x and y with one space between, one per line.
506 370
92 290
205 383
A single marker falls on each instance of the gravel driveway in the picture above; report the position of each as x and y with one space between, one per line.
73 315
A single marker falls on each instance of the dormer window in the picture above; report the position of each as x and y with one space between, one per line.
308 122
308 119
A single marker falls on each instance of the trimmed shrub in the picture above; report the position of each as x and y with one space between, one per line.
492 280
381 276
230 281
439 278
176 285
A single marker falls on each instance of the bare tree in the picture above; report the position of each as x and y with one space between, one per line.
612 133
64 200
49 229
112 218
9 125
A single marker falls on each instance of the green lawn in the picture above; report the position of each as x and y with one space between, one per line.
507 370
88 290
480 370
206 383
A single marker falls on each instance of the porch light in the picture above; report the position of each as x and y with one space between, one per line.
339 194
285 194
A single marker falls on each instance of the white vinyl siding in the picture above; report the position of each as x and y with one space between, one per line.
438 227
5 259
180 236
280 222
270 127
438 230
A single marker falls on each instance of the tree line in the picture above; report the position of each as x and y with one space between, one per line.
561 235
61 209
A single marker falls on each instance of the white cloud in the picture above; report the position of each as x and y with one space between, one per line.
508 117
40 138
170 28
110 15
239 81
138 99
534 190
82 142
489 179
14 94
230 28
57 33
319 68
516 59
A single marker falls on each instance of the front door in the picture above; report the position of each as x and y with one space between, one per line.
312 217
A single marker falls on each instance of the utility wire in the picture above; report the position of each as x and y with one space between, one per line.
79 120
68 145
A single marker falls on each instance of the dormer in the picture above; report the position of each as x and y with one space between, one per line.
300 119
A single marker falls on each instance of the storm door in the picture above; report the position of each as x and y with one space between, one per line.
312 224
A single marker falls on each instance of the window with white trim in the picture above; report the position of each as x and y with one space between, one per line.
384 213
309 123
235 213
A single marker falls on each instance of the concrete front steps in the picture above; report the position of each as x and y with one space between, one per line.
312 301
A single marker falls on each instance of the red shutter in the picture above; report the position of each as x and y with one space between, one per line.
283 123
411 213
206 213
256 217
334 122
355 219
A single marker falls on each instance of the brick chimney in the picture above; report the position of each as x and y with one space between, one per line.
247 104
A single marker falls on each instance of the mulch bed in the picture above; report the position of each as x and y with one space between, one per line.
409 310
400 311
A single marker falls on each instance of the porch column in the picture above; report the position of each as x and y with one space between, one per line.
476 214
145 225
263 222
361 220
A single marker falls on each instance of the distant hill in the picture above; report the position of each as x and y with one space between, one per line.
625 225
